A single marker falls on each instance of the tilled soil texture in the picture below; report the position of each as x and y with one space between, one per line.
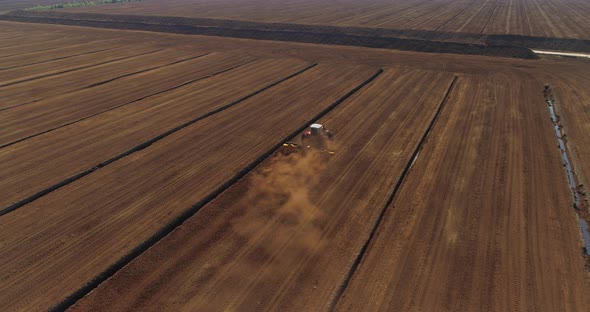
409 40
62 85
98 221
484 220
12 76
285 236
177 71
542 18
99 139
93 195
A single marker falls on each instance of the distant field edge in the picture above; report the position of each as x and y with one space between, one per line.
407 40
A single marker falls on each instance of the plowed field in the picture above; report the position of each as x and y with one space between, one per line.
143 171
541 18
495 231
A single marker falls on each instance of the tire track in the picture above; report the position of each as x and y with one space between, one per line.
145 144
390 200
72 299
77 68
490 18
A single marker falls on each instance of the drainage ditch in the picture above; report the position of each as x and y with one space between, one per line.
577 189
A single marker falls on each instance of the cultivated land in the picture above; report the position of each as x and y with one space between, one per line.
147 173
468 233
540 18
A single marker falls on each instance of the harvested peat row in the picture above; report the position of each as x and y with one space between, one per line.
579 195
391 198
27 120
130 102
75 68
108 81
136 252
57 59
149 142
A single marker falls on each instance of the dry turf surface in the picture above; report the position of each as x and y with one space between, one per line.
540 18
142 171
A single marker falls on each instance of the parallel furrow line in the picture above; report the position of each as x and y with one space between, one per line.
145 144
72 299
392 197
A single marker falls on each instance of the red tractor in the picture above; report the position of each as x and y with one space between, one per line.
316 137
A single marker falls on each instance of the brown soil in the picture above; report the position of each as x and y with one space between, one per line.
542 18
483 219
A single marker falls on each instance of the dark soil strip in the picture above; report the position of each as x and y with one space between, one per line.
421 41
73 298
79 68
111 80
145 144
392 197
56 59
541 43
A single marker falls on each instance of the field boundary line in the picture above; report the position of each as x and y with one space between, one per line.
145 144
103 82
78 68
128 103
397 187
178 221
56 59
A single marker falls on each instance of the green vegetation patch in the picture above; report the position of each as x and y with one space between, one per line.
75 4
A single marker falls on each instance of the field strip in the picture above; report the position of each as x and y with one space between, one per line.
38 56
33 119
70 85
28 53
182 163
484 218
39 46
263 250
5 77
58 58
87 141
21 45
127 103
398 185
